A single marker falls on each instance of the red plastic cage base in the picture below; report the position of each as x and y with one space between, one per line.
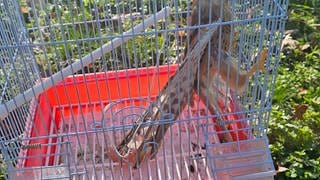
89 94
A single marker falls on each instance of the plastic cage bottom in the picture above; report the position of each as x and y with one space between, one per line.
69 126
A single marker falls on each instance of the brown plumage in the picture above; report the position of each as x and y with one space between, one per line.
223 69
172 100
174 97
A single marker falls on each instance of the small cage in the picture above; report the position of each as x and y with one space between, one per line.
103 89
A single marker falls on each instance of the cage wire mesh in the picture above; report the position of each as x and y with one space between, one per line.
18 72
139 89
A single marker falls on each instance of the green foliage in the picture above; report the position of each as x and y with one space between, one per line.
304 16
73 28
3 171
294 128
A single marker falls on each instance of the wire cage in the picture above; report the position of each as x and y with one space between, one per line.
104 89
18 71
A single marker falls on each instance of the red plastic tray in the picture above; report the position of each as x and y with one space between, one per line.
81 90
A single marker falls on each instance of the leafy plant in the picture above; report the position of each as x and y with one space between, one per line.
3 172
73 28
294 129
